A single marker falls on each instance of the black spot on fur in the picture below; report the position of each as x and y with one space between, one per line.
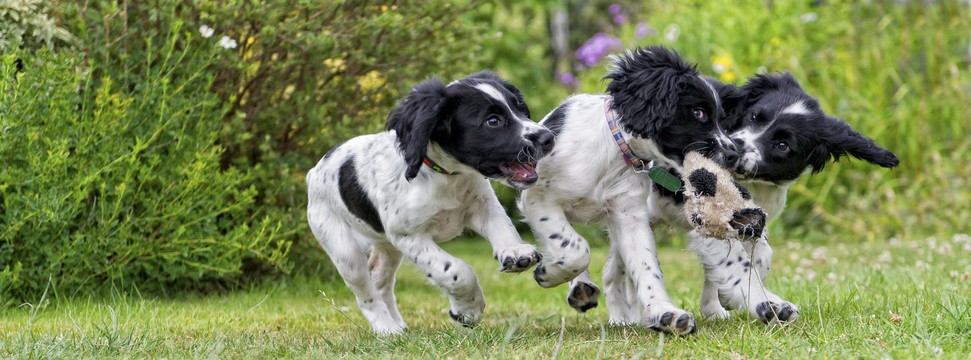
742 190
565 243
543 218
555 236
354 197
704 182
696 219
554 121
448 264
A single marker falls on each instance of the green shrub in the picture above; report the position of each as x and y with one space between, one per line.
118 183
304 76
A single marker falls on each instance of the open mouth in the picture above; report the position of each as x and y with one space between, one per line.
520 175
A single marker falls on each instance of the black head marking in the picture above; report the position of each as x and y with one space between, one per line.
645 87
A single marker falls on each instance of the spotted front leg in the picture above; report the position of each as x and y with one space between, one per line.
566 254
736 272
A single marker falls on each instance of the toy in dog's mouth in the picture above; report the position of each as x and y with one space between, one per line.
519 175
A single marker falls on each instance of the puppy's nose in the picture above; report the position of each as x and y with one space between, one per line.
731 154
544 139
731 158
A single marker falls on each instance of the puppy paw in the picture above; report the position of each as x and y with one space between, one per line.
517 258
675 322
715 313
550 274
388 329
466 320
583 296
468 313
777 313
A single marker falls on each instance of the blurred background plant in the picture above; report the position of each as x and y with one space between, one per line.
267 87
29 24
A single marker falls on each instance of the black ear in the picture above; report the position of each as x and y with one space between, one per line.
732 100
761 84
839 139
414 119
645 86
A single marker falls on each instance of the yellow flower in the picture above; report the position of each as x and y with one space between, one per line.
775 41
384 8
728 76
370 81
335 64
721 63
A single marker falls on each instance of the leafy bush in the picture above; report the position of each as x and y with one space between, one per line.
107 182
303 77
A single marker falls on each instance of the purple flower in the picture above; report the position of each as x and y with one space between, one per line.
615 9
596 48
567 79
643 29
619 19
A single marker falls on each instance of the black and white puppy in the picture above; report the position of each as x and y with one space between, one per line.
664 108
782 134
422 182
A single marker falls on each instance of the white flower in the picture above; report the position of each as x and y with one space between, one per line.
227 43
671 32
206 31
809 17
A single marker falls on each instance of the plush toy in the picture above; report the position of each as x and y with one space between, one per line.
717 206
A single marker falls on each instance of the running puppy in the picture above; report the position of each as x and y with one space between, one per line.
378 197
658 108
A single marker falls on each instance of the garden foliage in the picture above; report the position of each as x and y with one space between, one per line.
118 183
302 77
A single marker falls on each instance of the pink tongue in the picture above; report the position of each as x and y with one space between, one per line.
523 172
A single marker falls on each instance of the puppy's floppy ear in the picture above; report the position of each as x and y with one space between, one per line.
414 120
760 84
645 86
838 139
732 100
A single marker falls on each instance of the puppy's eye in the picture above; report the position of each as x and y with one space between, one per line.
754 115
493 122
699 115
782 146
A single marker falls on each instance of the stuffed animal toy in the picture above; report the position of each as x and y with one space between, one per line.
718 206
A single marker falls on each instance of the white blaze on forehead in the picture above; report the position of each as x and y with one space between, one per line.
797 108
495 94
492 92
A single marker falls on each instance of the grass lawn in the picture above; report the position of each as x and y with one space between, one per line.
896 298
